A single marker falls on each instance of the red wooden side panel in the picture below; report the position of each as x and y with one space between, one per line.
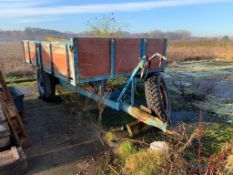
32 48
93 57
59 59
155 46
127 54
26 52
60 64
45 53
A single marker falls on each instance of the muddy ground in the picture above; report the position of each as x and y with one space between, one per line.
66 143
61 143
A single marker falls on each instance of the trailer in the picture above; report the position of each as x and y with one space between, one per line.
86 64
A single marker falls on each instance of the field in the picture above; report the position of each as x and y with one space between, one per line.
200 49
200 80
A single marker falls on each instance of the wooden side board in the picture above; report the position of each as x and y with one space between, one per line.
92 59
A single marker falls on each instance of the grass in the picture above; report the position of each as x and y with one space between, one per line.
110 136
229 164
145 162
221 163
218 106
182 158
31 83
125 149
202 69
217 134
139 160
200 49
20 74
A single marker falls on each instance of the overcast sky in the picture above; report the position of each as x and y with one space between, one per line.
201 17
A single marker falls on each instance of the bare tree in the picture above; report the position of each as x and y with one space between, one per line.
106 26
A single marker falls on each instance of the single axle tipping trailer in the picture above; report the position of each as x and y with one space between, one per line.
85 64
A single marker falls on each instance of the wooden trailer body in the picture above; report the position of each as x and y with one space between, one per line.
83 60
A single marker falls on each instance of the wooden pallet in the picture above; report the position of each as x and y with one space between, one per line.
11 114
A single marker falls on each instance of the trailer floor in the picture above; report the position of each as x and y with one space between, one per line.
60 142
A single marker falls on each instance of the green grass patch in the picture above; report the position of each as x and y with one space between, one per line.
125 149
216 134
20 74
145 162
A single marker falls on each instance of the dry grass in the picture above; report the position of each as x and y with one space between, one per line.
186 156
145 162
200 49
125 149
218 161
21 73
229 164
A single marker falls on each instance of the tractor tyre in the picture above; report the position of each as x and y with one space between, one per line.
46 86
157 97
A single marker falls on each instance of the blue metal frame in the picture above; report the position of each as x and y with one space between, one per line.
132 77
115 104
107 101
142 47
51 58
113 56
